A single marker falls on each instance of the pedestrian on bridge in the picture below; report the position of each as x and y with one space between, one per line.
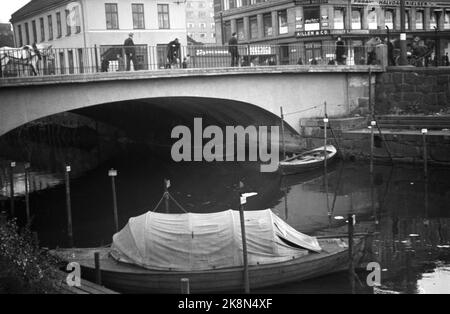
233 50
130 51
173 53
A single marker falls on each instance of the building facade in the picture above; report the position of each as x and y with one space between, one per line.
76 27
200 21
306 28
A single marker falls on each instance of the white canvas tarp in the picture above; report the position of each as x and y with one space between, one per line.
191 241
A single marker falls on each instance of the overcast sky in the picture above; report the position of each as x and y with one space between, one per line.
8 7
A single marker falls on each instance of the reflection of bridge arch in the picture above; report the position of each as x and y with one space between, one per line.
267 88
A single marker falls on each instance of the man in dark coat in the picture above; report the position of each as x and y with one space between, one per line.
390 49
173 52
130 51
233 50
340 51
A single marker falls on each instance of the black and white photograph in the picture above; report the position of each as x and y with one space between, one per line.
224 152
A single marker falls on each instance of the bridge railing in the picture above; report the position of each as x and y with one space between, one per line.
114 58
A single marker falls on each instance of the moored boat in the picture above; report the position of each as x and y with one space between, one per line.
306 161
154 251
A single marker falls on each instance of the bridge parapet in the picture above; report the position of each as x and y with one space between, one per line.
185 73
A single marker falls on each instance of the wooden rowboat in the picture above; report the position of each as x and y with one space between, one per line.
306 161
129 278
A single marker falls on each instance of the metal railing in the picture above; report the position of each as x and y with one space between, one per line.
66 61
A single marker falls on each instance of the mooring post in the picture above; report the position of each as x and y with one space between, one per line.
113 173
282 133
69 207
425 153
11 187
27 197
98 273
244 242
166 194
185 286
350 222
373 123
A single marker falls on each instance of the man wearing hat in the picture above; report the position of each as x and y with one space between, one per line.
130 51
233 50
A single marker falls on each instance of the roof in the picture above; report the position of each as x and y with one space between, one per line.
208 241
35 6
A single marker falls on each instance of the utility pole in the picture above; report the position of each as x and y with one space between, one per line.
402 60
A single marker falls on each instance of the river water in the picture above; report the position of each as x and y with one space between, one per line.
410 213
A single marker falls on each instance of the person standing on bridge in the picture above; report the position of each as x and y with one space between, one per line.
340 51
233 50
130 51
173 53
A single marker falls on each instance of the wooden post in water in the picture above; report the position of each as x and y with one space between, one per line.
350 222
98 272
166 194
113 173
11 187
242 201
185 289
373 123
27 197
325 155
69 207
282 133
425 153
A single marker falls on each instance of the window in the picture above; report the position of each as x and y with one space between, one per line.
447 20
163 16
245 3
213 26
240 29
213 35
372 19
190 14
267 23
190 25
27 34
407 20
338 18
282 22
42 26
356 19
419 19
58 24
202 14
50 27
227 30
138 16
312 18
433 20
201 4
253 27
389 19
68 24
202 35
112 16
232 3
33 27
78 19
19 31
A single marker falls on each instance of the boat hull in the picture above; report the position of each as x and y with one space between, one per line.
131 279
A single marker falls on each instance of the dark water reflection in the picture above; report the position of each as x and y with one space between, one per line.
413 214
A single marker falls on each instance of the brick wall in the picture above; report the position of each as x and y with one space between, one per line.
412 90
